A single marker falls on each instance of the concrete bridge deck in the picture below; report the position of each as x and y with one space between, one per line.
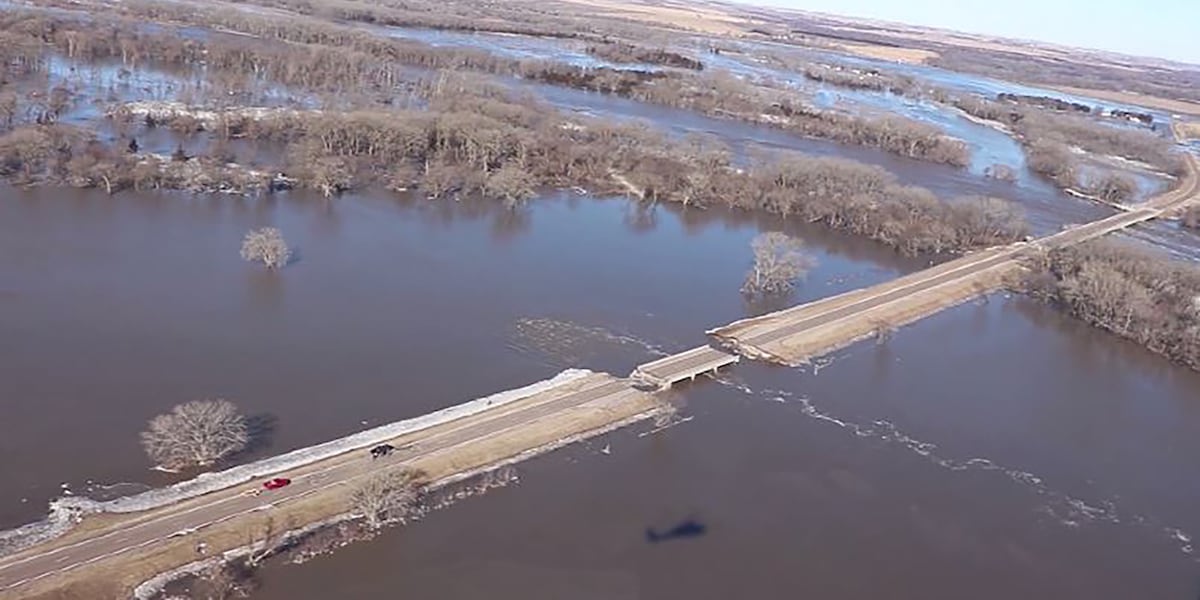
666 372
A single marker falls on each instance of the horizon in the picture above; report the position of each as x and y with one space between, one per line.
1111 25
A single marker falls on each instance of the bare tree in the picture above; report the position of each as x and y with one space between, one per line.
266 245
386 496
779 261
196 433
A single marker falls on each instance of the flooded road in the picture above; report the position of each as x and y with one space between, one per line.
116 308
998 450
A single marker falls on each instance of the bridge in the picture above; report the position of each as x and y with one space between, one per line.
122 549
687 365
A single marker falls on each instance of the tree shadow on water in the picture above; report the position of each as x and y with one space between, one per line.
756 305
294 257
260 429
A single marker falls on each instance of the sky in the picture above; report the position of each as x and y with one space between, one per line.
1158 28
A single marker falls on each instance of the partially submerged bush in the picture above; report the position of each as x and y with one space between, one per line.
266 245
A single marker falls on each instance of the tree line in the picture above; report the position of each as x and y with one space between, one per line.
858 79
477 139
621 52
1128 291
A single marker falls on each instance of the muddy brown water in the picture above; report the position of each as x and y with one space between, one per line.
996 450
999 450
116 308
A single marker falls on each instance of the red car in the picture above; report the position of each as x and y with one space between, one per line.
278 482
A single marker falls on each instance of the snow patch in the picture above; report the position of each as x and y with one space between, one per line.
163 110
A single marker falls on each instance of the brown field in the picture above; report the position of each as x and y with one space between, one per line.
698 18
904 55
1187 130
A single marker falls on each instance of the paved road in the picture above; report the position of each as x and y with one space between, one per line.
21 569
972 268
895 294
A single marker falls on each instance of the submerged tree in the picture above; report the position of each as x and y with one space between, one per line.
779 261
266 245
386 496
197 433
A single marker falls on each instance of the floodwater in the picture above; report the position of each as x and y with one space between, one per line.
996 450
115 309
1047 208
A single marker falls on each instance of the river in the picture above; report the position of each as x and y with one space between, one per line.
996 450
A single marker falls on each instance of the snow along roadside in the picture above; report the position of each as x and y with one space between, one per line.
66 511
